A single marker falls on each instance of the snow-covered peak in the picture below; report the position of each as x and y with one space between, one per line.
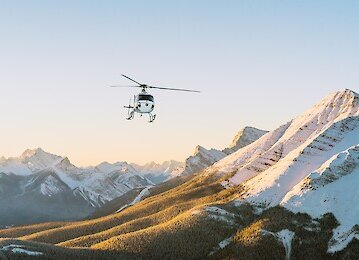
331 109
251 154
160 172
38 159
301 131
199 150
66 165
201 159
31 161
153 167
106 167
30 152
244 137
302 164
212 154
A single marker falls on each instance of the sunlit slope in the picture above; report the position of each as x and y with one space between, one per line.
152 211
26 230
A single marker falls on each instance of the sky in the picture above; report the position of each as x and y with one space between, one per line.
256 63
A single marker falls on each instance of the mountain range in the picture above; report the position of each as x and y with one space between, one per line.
39 186
290 193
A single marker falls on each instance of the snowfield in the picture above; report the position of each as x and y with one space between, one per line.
19 249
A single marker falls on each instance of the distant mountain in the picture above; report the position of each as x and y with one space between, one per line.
243 138
39 186
203 158
158 173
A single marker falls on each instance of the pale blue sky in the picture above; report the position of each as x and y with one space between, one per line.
257 63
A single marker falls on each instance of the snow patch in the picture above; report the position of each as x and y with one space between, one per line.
224 243
219 214
19 249
285 236
139 197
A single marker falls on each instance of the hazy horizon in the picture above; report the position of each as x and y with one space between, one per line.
256 63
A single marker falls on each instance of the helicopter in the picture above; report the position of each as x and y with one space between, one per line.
144 103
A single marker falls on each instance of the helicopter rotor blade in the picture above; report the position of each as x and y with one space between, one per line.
119 86
131 79
176 89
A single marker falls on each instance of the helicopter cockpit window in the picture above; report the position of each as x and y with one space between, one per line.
145 97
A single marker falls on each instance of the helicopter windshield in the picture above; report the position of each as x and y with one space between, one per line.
145 97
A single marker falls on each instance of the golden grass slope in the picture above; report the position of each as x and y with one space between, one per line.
152 211
26 230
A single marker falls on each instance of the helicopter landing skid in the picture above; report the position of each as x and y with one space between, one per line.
152 118
131 115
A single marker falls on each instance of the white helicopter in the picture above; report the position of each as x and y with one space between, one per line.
144 103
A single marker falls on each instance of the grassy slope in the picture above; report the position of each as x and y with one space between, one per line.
26 230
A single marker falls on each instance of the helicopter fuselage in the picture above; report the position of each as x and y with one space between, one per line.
144 103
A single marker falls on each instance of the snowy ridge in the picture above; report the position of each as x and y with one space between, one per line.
252 159
269 149
204 158
106 167
308 165
271 186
